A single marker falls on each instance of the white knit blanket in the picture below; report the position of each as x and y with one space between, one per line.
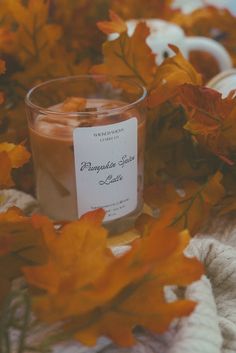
211 328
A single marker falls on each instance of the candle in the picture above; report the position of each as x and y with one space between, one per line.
88 148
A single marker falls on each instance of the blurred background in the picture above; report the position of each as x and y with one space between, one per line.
187 6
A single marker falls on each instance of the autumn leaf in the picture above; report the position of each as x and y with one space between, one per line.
11 156
26 239
172 73
129 57
171 152
2 97
2 67
35 36
128 9
78 20
212 22
229 128
7 40
99 294
21 244
116 25
208 117
188 208
5 173
17 154
227 206
206 100
5 244
37 72
73 262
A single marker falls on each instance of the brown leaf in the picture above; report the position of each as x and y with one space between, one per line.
208 117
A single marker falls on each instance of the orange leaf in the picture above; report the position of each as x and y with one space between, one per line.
100 294
11 156
20 245
27 242
71 262
5 171
116 25
17 154
39 37
2 67
173 72
5 244
2 97
143 302
229 129
228 205
7 41
129 57
94 218
144 9
189 211
208 116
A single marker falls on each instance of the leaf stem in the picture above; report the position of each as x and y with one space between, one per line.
184 214
217 119
190 200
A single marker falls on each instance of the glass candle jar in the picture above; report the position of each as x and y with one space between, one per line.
87 136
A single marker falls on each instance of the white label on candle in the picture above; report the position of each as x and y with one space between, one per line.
107 168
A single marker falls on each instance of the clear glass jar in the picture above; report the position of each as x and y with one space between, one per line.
87 136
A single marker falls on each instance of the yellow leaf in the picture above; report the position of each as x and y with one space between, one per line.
11 156
17 154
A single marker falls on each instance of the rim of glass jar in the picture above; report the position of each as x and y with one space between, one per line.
110 111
